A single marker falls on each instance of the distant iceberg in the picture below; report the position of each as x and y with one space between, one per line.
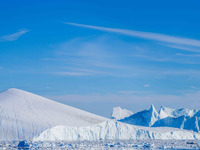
119 113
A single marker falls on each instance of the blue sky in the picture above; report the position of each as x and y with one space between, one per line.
95 55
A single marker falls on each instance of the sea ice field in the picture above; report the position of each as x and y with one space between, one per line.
107 145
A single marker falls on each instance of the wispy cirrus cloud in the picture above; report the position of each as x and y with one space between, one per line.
111 56
87 57
144 35
14 36
163 42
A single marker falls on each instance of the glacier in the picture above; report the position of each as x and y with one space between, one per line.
114 130
24 115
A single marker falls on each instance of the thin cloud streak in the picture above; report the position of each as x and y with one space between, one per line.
88 71
65 73
144 35
136 73
188 55
170 58
183 48
14 36
134 92
81 72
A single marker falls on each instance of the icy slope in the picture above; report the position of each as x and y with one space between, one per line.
183 122
197 114
113 130
24 115
192 124
119 113
169 112
143 118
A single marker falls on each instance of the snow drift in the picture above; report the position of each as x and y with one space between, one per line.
24 115
113 130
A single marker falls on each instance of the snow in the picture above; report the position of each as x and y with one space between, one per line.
143 118
24 115
114 130
119 113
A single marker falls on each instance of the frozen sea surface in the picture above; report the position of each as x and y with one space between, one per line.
107 145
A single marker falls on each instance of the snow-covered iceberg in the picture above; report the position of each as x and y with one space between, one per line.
179 118
119 113
169 112
143 118
113 130
166 117
24 115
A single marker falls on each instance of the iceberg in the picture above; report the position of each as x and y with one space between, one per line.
119 113
114 130
24 115
143 118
